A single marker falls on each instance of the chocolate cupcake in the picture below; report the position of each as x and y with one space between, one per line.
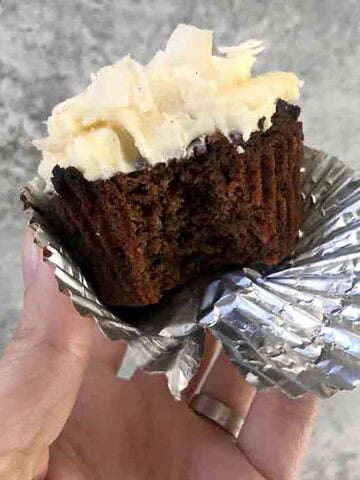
176 169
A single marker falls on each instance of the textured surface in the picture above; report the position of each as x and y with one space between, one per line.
48 49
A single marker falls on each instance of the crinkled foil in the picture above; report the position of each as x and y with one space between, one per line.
296 326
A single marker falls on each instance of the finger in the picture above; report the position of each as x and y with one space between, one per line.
212 350
41 465
224 382
42 368
276 431
107 352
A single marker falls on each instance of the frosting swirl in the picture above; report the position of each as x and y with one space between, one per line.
156 110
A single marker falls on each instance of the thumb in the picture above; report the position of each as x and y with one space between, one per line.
42 368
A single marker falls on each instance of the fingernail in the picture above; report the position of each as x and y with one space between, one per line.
30 258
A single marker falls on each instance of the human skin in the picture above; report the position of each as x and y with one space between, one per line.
64 414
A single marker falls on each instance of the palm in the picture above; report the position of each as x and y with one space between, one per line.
136 430
66 416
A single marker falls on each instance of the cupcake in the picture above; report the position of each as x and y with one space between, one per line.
157 174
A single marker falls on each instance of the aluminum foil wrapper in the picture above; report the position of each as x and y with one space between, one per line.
296 326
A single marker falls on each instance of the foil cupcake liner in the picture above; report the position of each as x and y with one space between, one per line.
296 326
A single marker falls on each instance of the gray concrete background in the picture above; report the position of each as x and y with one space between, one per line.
48 49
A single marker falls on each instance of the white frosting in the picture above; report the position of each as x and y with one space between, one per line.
157 110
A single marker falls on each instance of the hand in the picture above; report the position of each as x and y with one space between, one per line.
65 416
